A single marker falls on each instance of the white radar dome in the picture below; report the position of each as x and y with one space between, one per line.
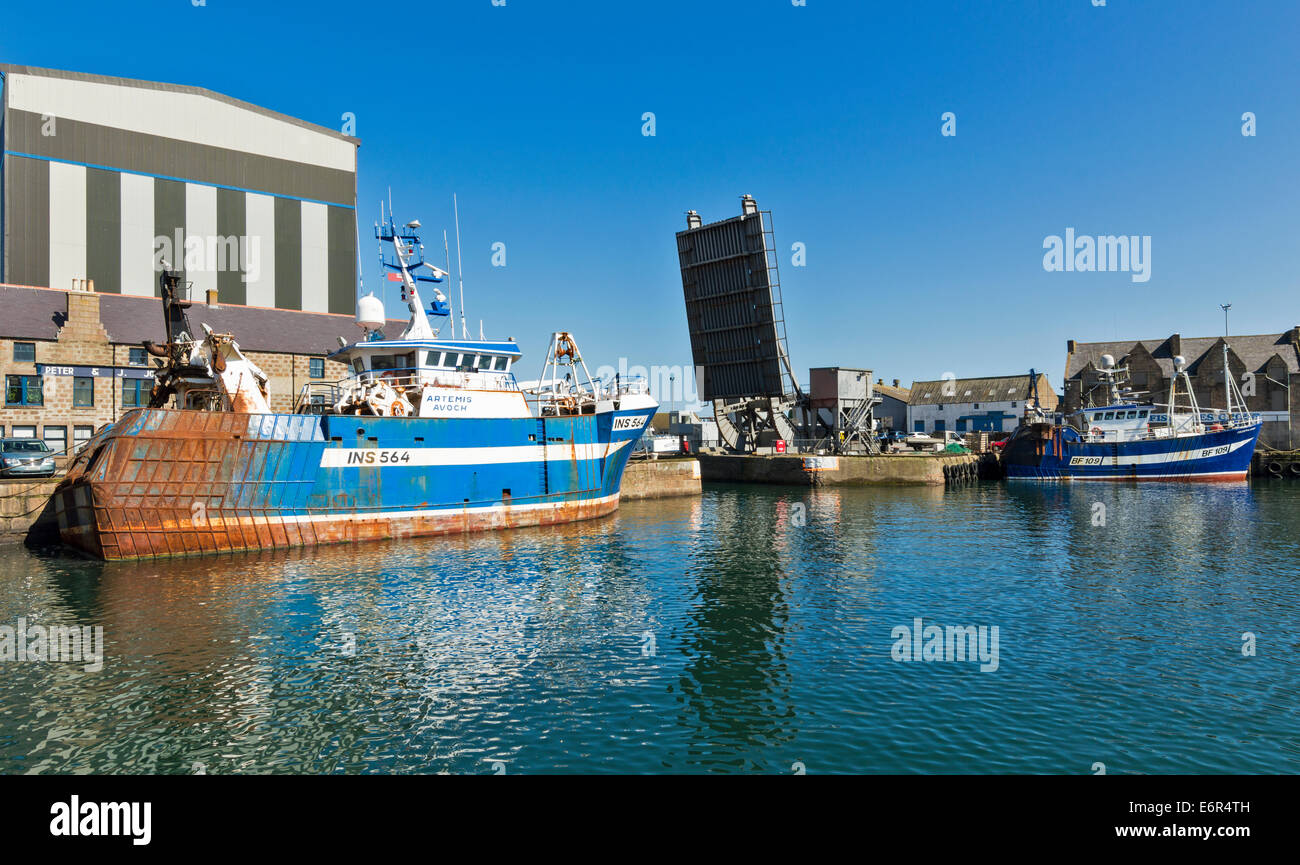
370 312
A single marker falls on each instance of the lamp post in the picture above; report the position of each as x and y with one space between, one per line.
1289 443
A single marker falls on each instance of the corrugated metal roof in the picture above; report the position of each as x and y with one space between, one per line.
898 393
991 389
37 313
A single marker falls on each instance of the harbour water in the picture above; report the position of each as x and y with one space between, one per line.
750 630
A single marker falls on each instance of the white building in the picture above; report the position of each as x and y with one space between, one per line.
969 404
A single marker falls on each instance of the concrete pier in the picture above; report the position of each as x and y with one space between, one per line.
661 478
807 470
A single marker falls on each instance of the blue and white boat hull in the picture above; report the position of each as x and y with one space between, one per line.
165 482
1044 452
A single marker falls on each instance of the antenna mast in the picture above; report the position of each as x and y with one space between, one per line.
460 268
447 255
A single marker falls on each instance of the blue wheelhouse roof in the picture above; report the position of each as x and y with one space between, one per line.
506 347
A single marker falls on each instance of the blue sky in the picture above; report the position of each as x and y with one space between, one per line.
924 252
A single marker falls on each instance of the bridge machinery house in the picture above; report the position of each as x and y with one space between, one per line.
1265 366
993 404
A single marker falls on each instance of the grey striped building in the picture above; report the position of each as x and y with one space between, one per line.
105 177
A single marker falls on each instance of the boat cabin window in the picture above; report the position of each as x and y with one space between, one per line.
1132 415
382 362
463 362
1142 413
357 366
1110 415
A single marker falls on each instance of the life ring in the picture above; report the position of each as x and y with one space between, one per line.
394 380
398 408
1096 430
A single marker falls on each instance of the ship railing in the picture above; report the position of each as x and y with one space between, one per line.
1184 425
621 386
567 399
414 378
317 397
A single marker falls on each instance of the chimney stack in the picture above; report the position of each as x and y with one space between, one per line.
1176 344
895 382
693 219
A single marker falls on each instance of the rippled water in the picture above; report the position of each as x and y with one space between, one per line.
738 632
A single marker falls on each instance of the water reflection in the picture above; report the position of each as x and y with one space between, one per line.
741 631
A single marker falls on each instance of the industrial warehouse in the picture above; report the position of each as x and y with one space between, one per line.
105 180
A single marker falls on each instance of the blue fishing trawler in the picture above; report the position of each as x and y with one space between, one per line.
427 435
1131 440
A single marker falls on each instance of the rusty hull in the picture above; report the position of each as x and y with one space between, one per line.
180 487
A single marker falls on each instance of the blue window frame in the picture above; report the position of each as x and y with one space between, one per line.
135 392
316 367
138 357
83 391
24 390
24 352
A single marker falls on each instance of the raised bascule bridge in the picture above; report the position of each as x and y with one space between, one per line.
735 315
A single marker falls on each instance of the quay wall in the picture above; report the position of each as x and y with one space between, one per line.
1276 464
801 470
26 510
661 478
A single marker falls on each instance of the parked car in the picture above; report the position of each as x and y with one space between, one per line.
25 458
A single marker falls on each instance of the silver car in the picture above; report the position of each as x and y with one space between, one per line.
25 458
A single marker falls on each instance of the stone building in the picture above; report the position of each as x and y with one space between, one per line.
1265 366
993 404
73 360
